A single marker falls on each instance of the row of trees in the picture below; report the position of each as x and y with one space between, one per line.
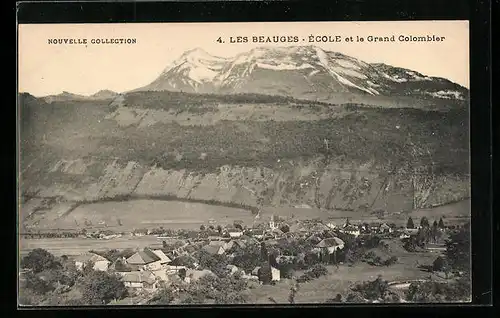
424 222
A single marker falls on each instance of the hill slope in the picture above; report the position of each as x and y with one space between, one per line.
350 157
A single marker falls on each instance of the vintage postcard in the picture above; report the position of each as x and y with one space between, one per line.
244 163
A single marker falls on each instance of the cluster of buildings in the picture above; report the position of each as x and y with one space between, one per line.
150 267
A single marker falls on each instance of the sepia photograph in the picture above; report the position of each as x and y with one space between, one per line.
243 163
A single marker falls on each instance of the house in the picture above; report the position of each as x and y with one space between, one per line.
234 232
121 267
331 244
214 236
276 232
234 269
353 230
314 238
213 249
275 274
174 269
164 259
331 225
217 243
298 228
146 259
99 263
258 234
404 235
233 245
255 271
140 279
384 228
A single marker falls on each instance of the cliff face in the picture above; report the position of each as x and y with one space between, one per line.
311 183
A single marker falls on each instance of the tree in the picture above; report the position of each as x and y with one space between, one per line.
263 252
285 228
264 273
409 224
440 264
39 260
100 288
293 292
435 231
441 223
347 222
248 258
238 226
424 222
164 296
458 249
182 273
164 244
202 227
219 229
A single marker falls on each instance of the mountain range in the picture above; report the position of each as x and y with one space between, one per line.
67 96
305 72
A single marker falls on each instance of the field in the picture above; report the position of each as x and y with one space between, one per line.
77 246
136 214
339 281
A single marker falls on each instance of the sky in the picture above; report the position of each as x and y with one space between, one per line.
45 69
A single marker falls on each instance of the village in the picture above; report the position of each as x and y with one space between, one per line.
262 253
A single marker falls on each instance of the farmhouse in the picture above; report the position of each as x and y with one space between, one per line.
331 244
147 260
258 234
140 279
99 263
353 230
234 232
214 250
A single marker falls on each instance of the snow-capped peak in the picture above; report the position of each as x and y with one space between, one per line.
197 65
299 71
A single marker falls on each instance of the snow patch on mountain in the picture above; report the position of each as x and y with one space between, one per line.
349 72
313 72
446 94
283 66
348 64
372 84
394 78
323 58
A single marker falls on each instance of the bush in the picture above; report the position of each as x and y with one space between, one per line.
374 290
440 264
431 291
337 299
315 272
355 298
390 261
